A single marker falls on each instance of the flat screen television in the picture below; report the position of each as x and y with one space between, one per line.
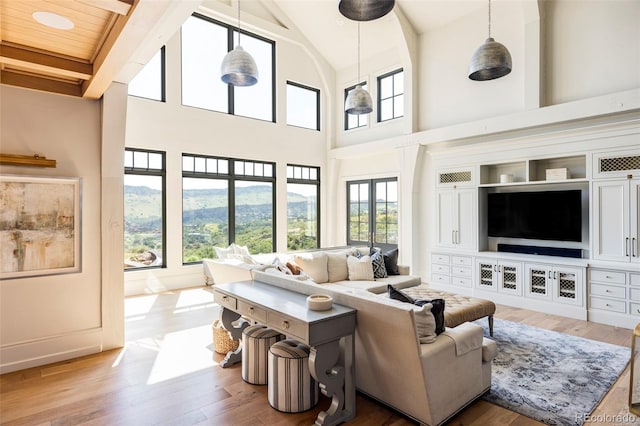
543 215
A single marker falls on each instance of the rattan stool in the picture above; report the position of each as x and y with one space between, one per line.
292 389
256 340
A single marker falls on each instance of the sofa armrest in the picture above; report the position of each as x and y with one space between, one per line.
489 349
404 269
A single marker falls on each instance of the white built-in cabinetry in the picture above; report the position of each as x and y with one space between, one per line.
457 207
564 284
453 270
499 275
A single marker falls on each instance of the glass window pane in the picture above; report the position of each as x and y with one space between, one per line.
187 163
268 170
381 190
289 172
212 165
398 106
239 167
386 109
364 192
392 191
155 161
140 160
223 166
205 217
313 174
256 101
386 87
398 83
143 221
353 192
254 216
258 169
201 165
204 46
148 82
128 158
302 221
302 107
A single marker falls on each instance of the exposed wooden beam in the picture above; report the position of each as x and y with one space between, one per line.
120 7
43 63
39 83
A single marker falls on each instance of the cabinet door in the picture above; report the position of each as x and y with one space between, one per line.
568 285
611 221
510 278
538 281
466 215
446 218
634 214
487 275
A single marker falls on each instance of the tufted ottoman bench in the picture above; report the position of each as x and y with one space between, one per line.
458 308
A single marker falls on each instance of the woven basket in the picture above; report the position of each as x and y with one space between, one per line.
222 342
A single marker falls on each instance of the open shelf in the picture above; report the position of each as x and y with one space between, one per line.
576 168
571 169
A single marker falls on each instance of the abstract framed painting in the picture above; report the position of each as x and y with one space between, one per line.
40 223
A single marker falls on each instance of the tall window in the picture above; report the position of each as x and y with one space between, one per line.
373 212
391 95
303 106
205 42
303 207
149 82
353 121
223 201
144 207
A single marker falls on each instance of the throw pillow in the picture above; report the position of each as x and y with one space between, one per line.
337 267
391 262
315 266
223 253
437 305
277 264
437 310
377 262
295 269
241 250
425 324
360 269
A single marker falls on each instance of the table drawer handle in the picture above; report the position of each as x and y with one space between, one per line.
251 309
285 325
225 298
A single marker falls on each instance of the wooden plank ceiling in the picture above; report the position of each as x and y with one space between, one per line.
65 61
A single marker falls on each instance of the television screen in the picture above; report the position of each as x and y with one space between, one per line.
546 215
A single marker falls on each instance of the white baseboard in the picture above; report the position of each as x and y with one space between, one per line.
34 353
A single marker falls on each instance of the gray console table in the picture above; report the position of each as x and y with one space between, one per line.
286 311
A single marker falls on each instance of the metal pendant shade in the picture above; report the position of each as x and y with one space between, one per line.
491 60
365 10
238 68
358 102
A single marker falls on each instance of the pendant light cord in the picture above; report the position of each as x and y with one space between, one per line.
489 18
358 76
239 22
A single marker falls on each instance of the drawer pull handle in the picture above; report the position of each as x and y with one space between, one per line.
225 298
285 325
607 291
608 277
638 311
251 309
606 304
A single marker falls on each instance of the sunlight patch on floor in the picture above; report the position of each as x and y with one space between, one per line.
195 297
183 352
136 308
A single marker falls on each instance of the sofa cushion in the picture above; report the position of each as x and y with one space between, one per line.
377 263
314 265
337 267
391 262
360 269
425 324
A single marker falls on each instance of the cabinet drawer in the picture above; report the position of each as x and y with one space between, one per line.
461 261
460 281
634 279
608 305
461 271
254 312
440 269
607 290
634 308
225 301
442 279
287 325
607 276
440 258
634 294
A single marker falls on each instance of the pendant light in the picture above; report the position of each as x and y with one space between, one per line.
358 100
365 10
238 67
491 60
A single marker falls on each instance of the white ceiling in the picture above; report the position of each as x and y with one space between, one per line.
335 36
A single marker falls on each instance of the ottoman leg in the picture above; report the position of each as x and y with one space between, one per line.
491 325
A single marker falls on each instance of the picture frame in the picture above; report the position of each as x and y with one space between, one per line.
40 226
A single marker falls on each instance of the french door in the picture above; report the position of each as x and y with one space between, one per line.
372 216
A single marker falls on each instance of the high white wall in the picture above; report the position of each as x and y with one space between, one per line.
49 318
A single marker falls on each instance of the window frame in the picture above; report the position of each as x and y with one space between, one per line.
231 29
346 114
232 177
153 172
303 181
393 95
372 213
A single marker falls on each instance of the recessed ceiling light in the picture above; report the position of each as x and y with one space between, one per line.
53 20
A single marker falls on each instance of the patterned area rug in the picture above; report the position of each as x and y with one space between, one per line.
551 377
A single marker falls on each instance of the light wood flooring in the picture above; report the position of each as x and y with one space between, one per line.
168 374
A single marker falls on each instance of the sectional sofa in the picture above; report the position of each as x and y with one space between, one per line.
429 382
